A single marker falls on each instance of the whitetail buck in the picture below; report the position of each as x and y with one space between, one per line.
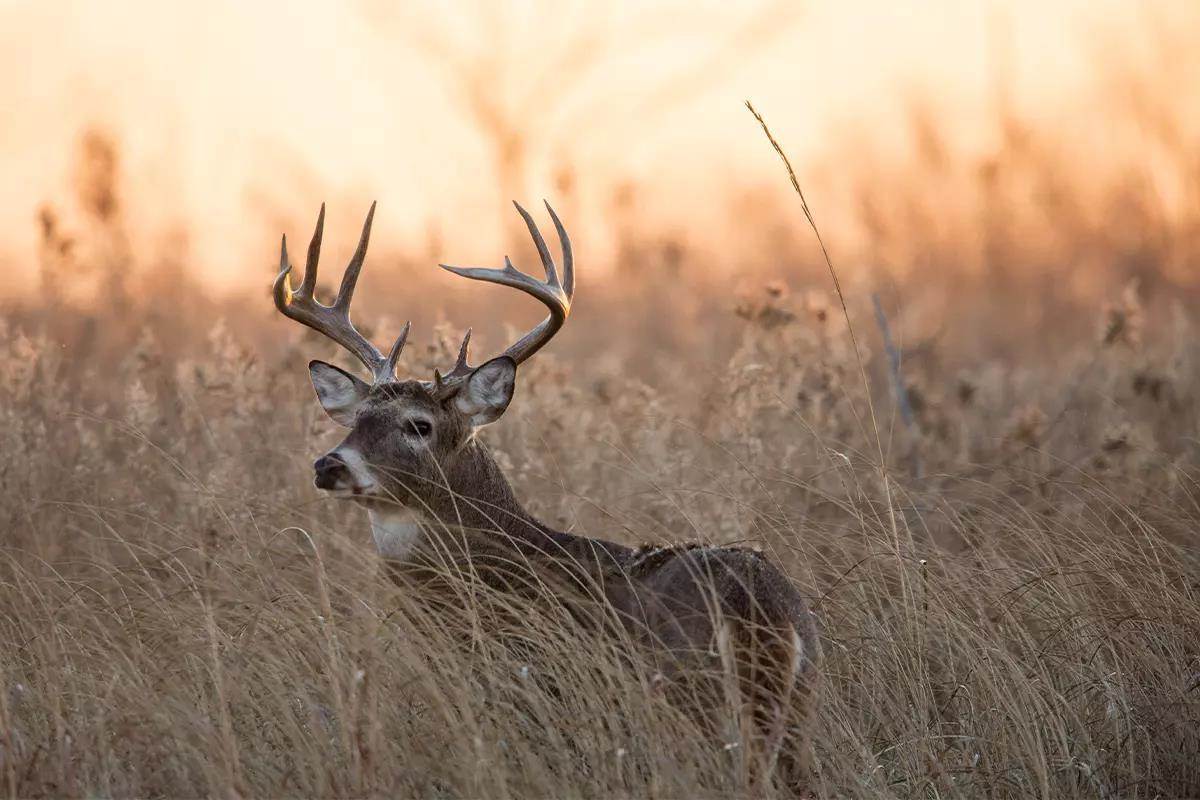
413 461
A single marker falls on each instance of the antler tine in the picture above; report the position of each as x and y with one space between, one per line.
462 370
552 293
540 243
282 288
568 279
350 277
387 370
460 364
331 321
314 254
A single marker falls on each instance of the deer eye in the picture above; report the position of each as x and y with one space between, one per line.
418 427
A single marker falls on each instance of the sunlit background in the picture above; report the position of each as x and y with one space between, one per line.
980 460
229 122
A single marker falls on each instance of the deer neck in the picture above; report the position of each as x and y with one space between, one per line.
481 498
480 501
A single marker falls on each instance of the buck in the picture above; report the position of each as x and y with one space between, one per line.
413 459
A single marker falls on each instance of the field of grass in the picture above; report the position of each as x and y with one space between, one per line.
1000 545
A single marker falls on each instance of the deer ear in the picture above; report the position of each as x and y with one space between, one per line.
487 392
340 392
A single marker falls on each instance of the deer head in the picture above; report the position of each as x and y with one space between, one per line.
408 438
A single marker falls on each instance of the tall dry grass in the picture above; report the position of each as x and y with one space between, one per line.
1013 614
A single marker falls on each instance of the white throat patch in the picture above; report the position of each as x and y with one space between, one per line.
396 531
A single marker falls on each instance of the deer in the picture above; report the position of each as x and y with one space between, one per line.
414 459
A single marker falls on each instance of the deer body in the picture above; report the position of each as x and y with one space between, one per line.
430 486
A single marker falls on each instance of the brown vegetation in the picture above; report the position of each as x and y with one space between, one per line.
1009 601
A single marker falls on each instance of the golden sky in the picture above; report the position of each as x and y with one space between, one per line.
235 118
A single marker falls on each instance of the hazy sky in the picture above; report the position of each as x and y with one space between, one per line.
235 118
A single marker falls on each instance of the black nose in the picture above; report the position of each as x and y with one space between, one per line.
330 469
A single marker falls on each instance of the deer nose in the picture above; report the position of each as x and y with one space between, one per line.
330 470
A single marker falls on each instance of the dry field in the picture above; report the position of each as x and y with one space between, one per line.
1002 556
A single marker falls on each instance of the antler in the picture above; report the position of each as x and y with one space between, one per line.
334 321
554 294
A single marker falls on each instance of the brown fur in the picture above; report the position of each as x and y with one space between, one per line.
673 599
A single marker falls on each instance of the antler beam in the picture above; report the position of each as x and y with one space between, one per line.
555 294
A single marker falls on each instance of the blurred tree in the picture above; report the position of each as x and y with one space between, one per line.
517 71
